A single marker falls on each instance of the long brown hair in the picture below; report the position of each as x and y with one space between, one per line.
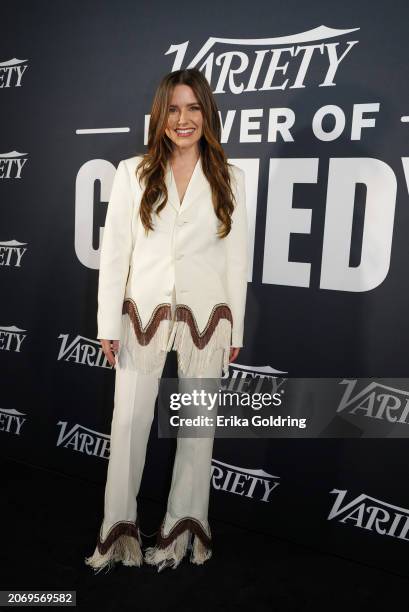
152 168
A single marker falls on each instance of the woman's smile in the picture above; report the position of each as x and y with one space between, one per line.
184 132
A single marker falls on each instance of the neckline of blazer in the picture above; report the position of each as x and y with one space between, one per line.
197 183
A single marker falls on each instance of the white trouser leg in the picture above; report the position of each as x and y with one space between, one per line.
134 402
190 488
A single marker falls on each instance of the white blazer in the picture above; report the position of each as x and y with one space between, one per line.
138 273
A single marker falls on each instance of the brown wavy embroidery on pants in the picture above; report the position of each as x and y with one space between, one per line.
119 529
190 523
145 335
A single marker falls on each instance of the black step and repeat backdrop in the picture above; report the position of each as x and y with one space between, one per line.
313 100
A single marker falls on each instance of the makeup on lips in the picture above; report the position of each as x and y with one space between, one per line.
184 132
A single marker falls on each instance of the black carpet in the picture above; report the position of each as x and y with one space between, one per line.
50 522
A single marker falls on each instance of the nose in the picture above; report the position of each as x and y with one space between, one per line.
181 119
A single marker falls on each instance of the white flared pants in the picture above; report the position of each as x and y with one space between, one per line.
134 402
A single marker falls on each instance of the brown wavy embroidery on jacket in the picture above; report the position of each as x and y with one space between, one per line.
145 335
182 525
119 529
220 311
182 313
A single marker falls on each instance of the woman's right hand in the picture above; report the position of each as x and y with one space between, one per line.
110 347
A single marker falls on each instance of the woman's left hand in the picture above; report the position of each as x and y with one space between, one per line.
233 353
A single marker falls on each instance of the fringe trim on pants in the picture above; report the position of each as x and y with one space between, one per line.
123 543
171 549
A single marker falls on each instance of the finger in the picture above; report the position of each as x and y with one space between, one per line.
110 356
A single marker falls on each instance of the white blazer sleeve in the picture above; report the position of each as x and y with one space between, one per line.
238 259
115 256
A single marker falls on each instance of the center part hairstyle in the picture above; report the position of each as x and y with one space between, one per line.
152 168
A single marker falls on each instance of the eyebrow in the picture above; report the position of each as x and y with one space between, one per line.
190 104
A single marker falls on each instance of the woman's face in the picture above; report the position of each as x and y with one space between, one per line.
184 113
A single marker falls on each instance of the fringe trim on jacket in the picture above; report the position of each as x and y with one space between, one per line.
142 348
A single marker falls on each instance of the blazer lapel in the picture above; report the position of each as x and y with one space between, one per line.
198 182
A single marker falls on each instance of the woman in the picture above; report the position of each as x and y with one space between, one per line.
173 276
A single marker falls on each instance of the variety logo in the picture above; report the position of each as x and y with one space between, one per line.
376 401
254 379
243 481
84 440
11 164
253 64
85 351
11 421
11 253
11 338
372 514
11 72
